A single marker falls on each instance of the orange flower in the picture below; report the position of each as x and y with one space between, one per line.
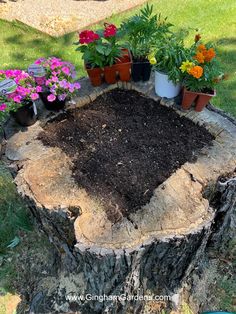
199 57
197 37
196 71
201 48
210 54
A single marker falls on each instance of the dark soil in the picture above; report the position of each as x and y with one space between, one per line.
124 145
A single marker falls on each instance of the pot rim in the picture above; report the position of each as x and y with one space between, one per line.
200 93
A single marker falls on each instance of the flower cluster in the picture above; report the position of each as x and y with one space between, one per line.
60 89
26 90
59 78
100 48
201 71
110 30
88 37
57 67
204 55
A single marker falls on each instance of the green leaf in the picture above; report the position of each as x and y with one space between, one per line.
14 243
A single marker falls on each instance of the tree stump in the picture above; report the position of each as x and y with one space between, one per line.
151 252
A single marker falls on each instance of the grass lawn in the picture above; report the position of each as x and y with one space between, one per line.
215 19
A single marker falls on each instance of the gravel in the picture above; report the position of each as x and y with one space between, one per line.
58 17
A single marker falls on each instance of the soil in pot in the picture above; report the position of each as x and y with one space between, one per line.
141 70
55 105
25 115
128 144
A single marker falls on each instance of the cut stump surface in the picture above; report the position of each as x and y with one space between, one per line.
165 231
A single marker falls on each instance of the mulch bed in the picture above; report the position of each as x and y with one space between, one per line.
124 145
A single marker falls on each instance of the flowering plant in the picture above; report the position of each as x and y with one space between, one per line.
26 90
59 80
201 70
100 48
169 54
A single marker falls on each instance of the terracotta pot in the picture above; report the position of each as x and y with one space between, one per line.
110 74
188 98
123 66
95 76
203 100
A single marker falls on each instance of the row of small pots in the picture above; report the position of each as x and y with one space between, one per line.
27 114
166 88
121 70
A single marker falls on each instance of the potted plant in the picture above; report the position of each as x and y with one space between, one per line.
167 58
201 74
59 85
18 96
142 32
103 56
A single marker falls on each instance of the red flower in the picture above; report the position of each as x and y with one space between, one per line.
110 30
87 37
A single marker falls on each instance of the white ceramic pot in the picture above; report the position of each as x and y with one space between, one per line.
164 87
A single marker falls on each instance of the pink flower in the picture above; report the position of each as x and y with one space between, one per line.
3 107
39 61
34 96
87 37
54 79
40 80
66 70
39 89
51 98
17 99
47 82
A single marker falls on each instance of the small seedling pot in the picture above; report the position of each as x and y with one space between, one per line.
123 66
110 74
95 75
141 70
203 99
188 98
200 99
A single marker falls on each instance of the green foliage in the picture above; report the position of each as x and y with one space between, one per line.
170 53
143 30
13 214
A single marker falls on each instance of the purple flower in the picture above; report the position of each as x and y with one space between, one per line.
62 97
51 98
77 85
34 96
64 84
3 107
